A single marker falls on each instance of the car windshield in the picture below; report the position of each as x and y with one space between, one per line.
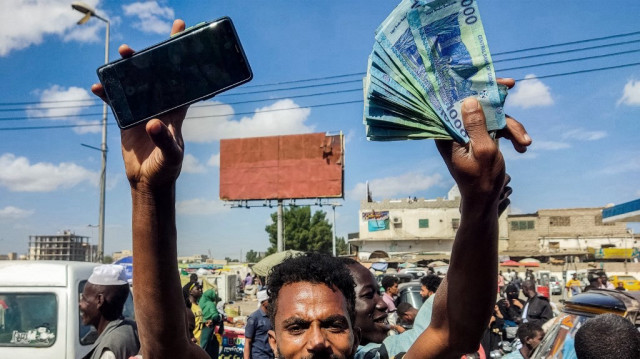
558 342
28 319
626 277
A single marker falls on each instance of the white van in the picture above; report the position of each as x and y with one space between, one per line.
39 313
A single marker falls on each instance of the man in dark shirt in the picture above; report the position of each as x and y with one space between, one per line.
537 308
256 332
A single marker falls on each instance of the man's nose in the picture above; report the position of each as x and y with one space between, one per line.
317 340
380 304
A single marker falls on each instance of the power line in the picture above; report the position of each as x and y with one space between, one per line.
567 43
567 51
324 105
191 117
363 73
21 118
570 60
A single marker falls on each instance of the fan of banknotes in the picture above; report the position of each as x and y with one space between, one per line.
428 57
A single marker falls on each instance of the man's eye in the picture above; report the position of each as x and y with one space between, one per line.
368 295
295 329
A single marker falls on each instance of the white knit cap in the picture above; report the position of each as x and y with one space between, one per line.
108 274
262 296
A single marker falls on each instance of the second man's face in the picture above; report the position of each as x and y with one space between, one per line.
371 310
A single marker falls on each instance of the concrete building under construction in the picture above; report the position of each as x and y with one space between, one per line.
61 247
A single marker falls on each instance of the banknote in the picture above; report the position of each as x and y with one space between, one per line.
427 57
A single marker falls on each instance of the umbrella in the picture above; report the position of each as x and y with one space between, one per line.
530 262
263 267
510 263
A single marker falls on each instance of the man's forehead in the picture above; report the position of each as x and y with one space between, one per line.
309 301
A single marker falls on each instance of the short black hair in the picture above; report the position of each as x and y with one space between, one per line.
528 330
193 277
403 308
388 281
316 268
431 281
590 343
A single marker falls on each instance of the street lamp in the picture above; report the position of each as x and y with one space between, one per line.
88 13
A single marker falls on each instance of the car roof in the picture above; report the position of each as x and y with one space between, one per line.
42 273
598 301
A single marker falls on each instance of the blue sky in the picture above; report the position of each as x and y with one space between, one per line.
585 151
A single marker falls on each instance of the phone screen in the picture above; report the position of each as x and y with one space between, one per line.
194 66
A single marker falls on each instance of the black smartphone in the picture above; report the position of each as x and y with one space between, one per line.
194 65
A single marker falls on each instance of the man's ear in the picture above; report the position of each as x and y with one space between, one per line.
100 300
273 343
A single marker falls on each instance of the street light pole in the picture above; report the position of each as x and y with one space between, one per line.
89 12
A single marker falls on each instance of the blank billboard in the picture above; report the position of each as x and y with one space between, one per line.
282 167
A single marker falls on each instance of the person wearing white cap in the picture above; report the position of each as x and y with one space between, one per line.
256 332
101 305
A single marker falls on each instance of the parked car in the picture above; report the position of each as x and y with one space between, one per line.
560 331
555 285
417 273
628 281
39 313
410 293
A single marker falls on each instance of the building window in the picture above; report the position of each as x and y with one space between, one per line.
423 223
522 225
559 221
554 245
455 223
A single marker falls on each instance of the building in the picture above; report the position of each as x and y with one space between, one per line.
62 247
121 254
565 231
412 225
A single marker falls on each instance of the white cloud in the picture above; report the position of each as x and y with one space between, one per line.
394 187
152 18
11 212
530 93
580 134
631 94
190 164
199 206
24 23
625 164
65 104
549 145
201 125
18 175
214 160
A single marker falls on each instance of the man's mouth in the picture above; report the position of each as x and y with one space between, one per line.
381 320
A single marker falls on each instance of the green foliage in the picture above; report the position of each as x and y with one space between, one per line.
107 259
302 231
342 247
252 256
229 260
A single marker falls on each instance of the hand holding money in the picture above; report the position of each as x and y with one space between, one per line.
427 58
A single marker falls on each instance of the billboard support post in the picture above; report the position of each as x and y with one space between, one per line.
279 240
334 229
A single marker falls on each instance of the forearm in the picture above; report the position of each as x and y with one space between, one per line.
465 299
157 292
247 348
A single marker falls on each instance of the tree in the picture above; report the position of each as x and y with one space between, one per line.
107 259
229 260
302 231
252 256
341 246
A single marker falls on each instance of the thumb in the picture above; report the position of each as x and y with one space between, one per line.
164 140
475 124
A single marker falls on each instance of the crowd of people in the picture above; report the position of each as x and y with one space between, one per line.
321 306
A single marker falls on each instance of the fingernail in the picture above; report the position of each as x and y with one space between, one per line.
527 138
471 104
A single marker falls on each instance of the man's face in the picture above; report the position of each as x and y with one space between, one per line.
528 291
312 322
89 305
424 292
512 294
196 291
535 341
393 290
371 310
